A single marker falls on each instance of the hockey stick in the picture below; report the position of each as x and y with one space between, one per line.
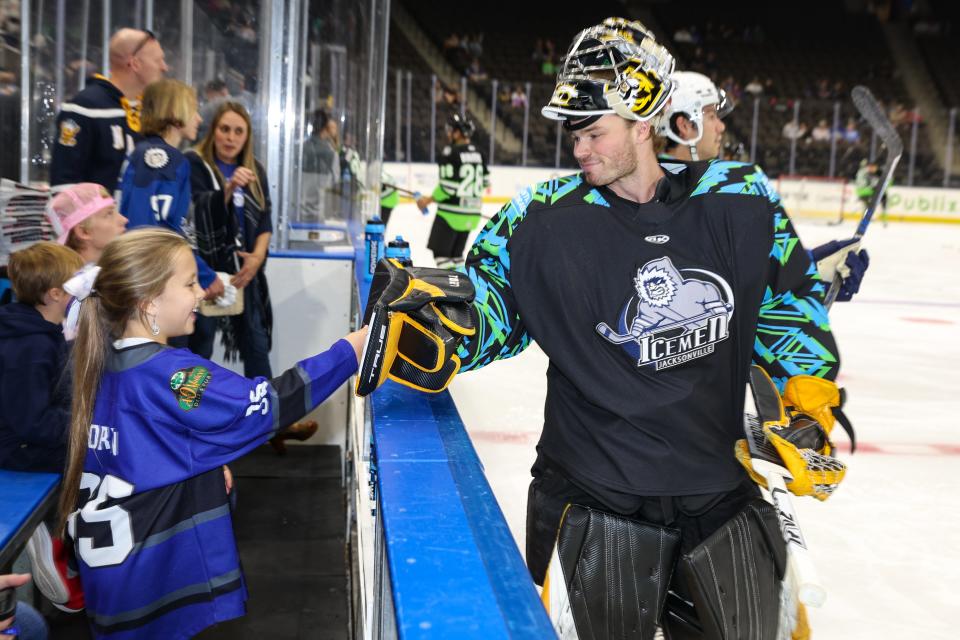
611 334
407 192
767 462
872 112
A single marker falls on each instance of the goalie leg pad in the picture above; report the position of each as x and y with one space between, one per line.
735 575
608 575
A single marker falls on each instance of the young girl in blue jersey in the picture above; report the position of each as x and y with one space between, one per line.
144 500
155 181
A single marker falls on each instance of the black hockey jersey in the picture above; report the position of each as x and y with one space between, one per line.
463 179
95 132
651 315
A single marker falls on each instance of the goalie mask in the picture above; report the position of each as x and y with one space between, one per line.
693 92
613 67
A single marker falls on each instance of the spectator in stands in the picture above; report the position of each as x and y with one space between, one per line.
214 93
538 51
549 66
823 91
732 88
898 115
99 126
452 42
503 94
518 99
156 182
475 46
28 621
549 49
793 130
232 206
821 132
8 83
475 72
321 167
683 36
769 88
34 394
754 87
85 218
851 135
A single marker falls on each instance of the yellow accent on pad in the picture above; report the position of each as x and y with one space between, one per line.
802 630
416 387
430 335
813 396
465 331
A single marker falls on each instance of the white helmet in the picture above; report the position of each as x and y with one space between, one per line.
692 93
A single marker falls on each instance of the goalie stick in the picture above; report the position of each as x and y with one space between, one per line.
872 112
767 462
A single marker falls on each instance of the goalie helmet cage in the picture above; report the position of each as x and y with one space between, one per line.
816 198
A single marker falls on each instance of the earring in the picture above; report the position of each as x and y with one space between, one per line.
154 327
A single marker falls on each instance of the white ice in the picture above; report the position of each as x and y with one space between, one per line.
886 545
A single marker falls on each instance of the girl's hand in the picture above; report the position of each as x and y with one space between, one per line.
357 340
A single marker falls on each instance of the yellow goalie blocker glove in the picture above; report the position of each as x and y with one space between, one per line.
800 432
417 317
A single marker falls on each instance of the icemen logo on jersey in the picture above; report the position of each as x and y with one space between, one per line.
673 317
188 386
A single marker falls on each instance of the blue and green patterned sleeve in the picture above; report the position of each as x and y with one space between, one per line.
793 331
500 331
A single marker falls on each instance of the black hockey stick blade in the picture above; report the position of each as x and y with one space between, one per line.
766 400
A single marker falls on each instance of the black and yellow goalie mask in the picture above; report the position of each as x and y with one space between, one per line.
417 319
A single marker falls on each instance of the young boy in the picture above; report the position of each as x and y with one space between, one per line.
35 393
34 402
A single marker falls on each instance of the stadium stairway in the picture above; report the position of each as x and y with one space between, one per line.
506 139
922 87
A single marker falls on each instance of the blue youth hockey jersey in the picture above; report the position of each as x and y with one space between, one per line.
153 532
155 191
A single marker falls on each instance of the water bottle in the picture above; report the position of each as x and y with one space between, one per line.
399 249
373 245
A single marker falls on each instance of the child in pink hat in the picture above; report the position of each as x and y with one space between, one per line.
85 218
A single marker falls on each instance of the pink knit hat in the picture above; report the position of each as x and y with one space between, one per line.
75 204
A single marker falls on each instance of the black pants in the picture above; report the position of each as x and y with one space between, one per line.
695 516
445 241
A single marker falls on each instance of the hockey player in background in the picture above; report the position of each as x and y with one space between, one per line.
866 182
651 287
459 194
692 128
144 498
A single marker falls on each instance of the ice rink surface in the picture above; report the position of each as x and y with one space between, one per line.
887 545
